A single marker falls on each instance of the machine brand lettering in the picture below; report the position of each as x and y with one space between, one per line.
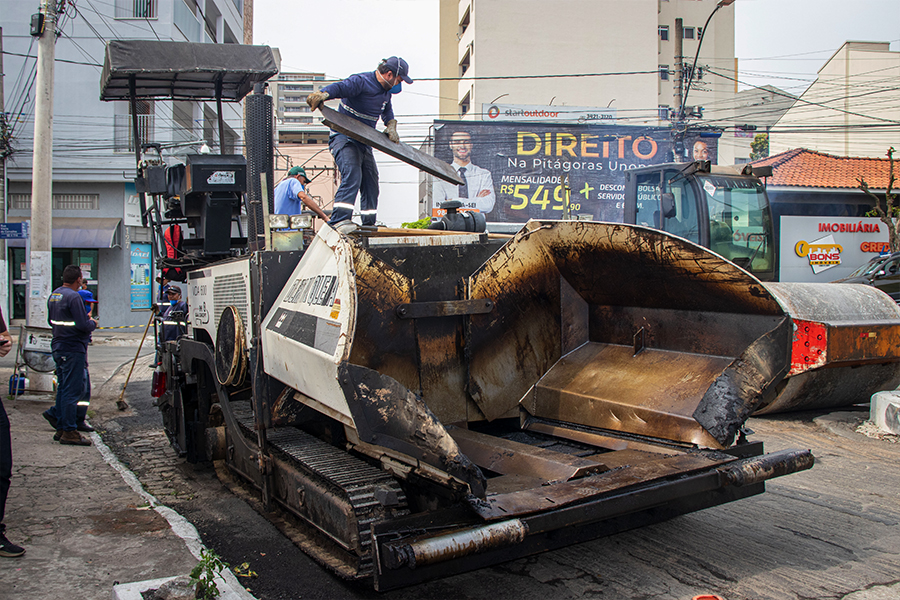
320 290
221 178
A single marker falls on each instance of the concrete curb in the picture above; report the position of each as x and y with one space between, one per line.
230 587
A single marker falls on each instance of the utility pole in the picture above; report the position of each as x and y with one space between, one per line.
4 146
679 124
41 231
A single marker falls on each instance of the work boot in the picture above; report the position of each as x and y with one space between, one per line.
57 435
54 422
8 549
84 427
73 438
346 227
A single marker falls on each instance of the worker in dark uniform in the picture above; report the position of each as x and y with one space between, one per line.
174 318
71 333
7 548
366 97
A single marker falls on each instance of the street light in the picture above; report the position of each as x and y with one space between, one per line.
681 116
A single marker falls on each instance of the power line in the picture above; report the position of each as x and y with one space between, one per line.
62 60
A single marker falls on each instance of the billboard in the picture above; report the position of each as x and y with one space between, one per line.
517 171
827 248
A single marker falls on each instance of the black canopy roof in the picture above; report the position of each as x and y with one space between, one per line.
183 70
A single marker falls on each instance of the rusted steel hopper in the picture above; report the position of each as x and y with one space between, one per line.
846 345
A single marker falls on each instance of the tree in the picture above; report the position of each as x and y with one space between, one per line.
759 147
887 208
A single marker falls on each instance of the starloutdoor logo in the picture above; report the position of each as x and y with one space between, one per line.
493 112
823 253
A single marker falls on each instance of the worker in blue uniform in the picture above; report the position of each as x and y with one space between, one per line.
365 97
291 192
71 333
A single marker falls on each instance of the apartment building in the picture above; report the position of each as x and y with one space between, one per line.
605 54
300 137
96 221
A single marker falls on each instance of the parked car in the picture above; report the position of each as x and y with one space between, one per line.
882 272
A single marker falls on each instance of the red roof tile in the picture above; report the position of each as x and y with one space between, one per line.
806 168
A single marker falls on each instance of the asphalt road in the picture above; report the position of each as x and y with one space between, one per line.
829 533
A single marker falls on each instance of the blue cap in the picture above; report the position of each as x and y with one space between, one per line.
398 66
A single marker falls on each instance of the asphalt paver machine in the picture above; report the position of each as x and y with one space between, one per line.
421 403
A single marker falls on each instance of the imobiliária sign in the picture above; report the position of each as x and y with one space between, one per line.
828 248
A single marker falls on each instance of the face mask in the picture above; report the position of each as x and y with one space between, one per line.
396 89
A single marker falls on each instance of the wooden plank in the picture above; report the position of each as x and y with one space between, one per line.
371 137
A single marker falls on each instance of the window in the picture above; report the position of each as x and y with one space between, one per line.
136 9
124 134
183 115
465 62
664 33
464 105
464 23
60 201
699 32
664 72
663 112
187 22
688 33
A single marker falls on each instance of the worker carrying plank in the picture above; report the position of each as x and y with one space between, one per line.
366 97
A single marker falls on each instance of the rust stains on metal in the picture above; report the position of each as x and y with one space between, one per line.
653 394
760 468
557 495
387 414
381 341
837 326
456 544
748 383
569 297
514 458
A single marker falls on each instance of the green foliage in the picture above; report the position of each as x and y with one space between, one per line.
203 576
759 147
420 224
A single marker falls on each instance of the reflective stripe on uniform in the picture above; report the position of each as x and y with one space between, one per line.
182 323
368 212
66 323
344 205
82 403
356 113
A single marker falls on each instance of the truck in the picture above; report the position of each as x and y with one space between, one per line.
419 403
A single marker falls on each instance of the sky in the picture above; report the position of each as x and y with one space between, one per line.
778 42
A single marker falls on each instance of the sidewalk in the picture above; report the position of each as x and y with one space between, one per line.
84 520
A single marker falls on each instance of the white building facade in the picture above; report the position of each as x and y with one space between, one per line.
597 53
96 223
852 109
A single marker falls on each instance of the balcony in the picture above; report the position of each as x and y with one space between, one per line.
124 140
187 22
136 9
